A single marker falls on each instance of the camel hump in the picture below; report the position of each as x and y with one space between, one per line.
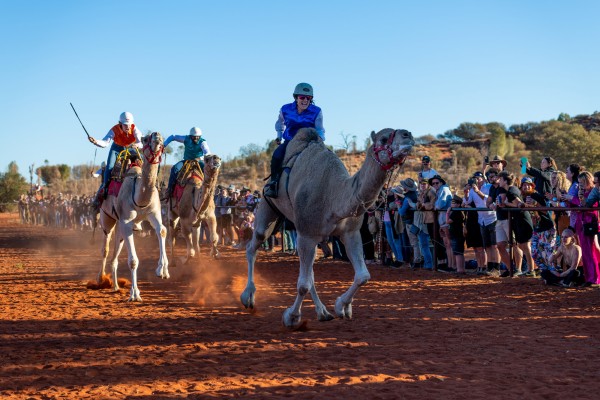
303 138
306 135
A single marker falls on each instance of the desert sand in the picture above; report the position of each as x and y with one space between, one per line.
415 334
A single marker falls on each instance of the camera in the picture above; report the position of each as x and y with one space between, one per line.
471 181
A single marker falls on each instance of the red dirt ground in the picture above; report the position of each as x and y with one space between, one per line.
414 335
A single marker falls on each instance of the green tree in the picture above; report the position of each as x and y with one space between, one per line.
12 185
497 141
568 143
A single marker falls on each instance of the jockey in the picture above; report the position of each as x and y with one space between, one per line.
195 148
124 134
302 113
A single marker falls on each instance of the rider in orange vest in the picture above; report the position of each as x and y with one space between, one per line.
124 134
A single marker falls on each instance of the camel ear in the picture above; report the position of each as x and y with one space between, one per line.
372 136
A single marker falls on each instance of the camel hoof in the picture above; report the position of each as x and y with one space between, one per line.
216 255
135 298
342 310
325 316
290 320
247 297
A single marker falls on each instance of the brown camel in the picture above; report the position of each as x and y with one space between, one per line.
137 201
323 200
197 204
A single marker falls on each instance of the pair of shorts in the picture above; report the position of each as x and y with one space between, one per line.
502 233
523 232
458 245
488 234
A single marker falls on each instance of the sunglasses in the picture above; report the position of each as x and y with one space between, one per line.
435 183
309 98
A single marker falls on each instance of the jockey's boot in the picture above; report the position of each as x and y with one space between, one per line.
167 194
271 188
99 198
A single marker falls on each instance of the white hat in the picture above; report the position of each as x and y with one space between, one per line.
231 187
126 118
195 132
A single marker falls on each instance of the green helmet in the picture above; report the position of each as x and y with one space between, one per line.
303 89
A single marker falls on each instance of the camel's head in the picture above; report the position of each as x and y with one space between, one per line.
153 147
391 147
212 163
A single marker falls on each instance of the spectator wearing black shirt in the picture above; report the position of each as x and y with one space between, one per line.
543 242
521 221
456 221
542 177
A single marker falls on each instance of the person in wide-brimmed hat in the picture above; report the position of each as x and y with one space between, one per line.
498 162
433 181
409 185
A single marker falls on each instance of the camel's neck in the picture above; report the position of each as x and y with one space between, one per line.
208 191
362 189
147 184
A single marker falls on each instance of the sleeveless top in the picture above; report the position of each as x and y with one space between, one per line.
295 121
192 150
123 138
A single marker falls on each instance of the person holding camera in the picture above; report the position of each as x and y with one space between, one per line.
479 194
302 113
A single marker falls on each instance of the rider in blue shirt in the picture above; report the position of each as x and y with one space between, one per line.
302 113
195 148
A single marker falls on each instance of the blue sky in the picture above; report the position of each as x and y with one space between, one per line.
228 66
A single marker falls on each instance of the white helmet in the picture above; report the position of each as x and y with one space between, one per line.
195 132
126 118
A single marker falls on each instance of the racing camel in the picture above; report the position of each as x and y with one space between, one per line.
137 200
197 204
321 198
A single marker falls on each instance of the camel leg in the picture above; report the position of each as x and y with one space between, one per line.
307 248
172 233
126 229
264 224
353 244
162 270
114 262
108 225
196 239
213 237
187 236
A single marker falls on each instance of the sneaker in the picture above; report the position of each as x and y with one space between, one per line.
480 271
532 274
505 274
493 273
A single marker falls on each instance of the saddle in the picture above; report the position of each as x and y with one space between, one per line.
191 169
125 161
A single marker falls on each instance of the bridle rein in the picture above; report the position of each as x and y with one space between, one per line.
153 157
387 147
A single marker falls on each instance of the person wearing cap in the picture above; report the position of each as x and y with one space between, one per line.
442 203
408 215
521 222
479 194
543 241
301 113
195 148
123 135
568 254
426 171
